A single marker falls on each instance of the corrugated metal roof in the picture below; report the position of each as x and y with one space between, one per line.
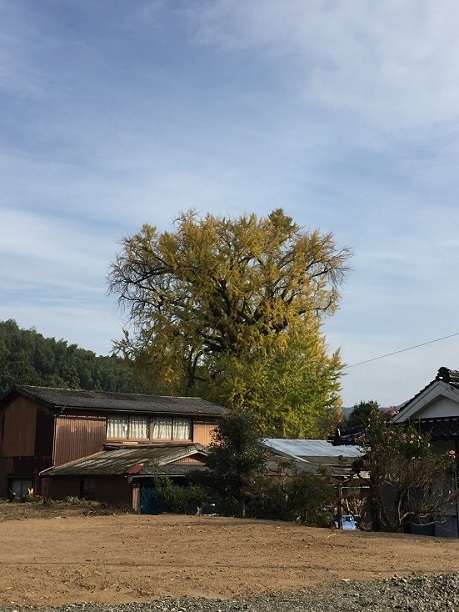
116 460
310 450
117 402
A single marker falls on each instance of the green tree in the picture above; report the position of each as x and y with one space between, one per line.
293 494
220 307
27 358
360 413
294 392
402 460
235 458
181 499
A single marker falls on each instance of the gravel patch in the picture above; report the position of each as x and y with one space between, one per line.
417 594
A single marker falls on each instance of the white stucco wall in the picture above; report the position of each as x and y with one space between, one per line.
437 400
440 407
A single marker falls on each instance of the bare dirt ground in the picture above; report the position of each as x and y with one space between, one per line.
68 555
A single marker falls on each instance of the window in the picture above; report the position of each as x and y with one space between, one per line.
117 427
19 488
171 428
128 427
162 428
181 429
88 489
139 427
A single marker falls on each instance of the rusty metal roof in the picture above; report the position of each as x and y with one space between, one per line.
134 461
103 401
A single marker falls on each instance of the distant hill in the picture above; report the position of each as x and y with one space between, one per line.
28 358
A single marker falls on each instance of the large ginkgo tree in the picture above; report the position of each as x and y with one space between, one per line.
232 309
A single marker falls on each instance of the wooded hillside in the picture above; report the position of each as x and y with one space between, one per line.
28 358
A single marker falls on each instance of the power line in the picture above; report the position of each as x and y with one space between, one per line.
410 348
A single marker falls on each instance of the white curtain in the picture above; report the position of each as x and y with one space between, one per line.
162 429
117 427
138 428
182 429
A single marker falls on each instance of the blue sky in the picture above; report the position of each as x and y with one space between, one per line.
346 114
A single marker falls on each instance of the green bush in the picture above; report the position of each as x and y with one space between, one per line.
171 496
293 495
179 499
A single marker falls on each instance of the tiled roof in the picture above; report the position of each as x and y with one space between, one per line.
442 428
451 377
348 436
118 461
116 402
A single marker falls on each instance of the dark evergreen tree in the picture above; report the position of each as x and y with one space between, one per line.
360 414
28 358
235 458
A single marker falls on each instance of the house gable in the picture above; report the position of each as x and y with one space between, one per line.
21 415
438 400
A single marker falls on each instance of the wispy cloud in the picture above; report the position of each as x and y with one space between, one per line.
390 62
345 114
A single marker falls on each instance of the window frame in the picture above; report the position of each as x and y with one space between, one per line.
129 418
172 423
173 428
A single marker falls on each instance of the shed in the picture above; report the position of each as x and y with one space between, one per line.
314 454
123 476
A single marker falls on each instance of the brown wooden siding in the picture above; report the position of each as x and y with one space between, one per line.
2 429
202 431
3 478
44 432
29 468
192 460
60 488
113 490
78 436
20 417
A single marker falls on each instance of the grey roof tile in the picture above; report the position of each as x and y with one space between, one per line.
104 401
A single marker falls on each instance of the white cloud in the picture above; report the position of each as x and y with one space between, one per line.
394 63
343 113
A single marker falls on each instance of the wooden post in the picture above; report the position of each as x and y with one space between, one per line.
340 507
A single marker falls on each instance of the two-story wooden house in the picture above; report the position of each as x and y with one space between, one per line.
43 428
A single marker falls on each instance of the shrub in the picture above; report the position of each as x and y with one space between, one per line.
401 458
293 495
179 499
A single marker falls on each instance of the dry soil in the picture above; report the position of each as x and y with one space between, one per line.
64 556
